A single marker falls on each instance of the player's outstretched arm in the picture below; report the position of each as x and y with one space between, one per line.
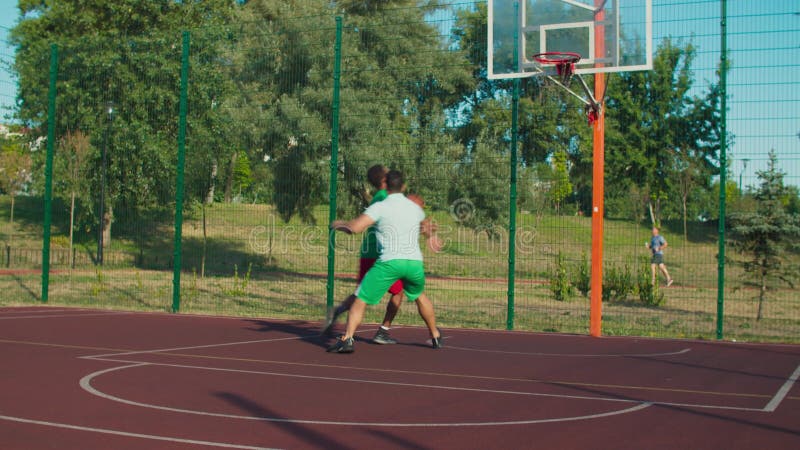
428 229
355 226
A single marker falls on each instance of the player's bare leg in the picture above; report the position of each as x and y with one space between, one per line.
425 308
391 309
382 335
666 273
354 318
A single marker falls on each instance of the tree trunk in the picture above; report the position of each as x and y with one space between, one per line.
213 186
685 233
71 228
205 239
108 217
12 213
229 181
761 294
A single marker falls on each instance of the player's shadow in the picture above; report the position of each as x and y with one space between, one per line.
305 331
255 410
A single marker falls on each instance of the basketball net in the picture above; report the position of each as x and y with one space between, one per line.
564 63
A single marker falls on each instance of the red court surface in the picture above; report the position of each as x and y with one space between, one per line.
85 379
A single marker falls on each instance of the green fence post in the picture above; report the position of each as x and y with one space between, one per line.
512 191
48 171
177 248
723 164
337 71
512 206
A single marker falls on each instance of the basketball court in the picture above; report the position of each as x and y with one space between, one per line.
91 379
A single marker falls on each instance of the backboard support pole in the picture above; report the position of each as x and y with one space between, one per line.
598 185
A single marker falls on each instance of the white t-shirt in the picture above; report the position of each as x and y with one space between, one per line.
397 227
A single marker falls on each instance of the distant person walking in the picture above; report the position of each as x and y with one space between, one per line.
657 245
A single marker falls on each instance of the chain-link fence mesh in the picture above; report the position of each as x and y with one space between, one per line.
412 94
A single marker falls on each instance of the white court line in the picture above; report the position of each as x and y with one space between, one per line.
195 347
128 434
35 311
85 383
781 394
576 355
66 315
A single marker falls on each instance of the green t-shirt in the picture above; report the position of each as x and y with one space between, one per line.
369 246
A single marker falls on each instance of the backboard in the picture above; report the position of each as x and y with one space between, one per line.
610 35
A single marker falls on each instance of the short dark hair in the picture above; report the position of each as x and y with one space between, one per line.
375 175
394 181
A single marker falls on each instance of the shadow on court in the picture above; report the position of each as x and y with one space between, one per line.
314 438
308 332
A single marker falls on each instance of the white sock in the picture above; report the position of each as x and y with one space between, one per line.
384 328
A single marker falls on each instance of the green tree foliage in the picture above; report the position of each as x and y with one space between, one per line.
242 174
126 53
661 136
15 170
767 238
482 178
549 118
414 96
396 86
561 187
71 175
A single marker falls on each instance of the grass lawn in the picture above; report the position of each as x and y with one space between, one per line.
251 263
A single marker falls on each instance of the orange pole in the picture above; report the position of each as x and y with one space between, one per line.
598 186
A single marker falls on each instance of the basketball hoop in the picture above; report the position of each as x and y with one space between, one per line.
565 68
564 62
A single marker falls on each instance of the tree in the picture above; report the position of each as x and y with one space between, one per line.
125 53
766 238
15 171
657 126
482 178
560 187
394 103
74 152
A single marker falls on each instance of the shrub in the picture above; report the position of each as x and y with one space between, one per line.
559 283
582 276
617 284
649 293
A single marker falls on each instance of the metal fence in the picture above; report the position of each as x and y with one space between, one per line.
211 193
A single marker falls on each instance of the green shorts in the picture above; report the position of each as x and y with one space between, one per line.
384 273
658 258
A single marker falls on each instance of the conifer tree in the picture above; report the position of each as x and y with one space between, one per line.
766 238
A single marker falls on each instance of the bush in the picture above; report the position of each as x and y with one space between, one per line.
582 276
559 283
649 293
617 284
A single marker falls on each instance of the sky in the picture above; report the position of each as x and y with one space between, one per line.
763 85
8 18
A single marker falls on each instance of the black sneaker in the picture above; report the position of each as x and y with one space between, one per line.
342 346
382 337
437 342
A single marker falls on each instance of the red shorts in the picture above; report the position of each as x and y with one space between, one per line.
364 266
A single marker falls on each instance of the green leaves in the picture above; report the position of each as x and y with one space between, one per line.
765 238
